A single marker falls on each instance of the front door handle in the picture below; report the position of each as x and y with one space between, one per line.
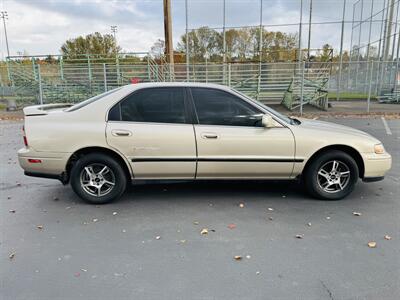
209 135
121 132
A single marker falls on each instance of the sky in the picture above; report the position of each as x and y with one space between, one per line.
42 26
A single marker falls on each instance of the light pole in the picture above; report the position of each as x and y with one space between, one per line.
4 16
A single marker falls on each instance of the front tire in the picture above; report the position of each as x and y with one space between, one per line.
98 178
331 175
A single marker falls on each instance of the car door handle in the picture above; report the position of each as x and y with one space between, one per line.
121 132
209 135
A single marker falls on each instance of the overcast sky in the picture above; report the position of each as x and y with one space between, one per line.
41 26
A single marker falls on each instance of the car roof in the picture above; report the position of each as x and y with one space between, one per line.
136 86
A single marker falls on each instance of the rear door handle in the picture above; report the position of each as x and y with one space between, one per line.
209 135
121 132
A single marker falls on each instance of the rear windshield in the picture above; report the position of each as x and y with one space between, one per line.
91 100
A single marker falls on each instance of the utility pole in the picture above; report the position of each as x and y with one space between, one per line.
187 39
169 47
114 30
4 16
309 32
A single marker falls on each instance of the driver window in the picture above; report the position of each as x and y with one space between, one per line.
216 107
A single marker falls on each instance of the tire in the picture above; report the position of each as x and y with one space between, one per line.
325 183
98 178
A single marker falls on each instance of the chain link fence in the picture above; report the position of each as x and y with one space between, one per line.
292 84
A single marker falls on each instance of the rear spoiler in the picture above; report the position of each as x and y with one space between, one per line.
37 110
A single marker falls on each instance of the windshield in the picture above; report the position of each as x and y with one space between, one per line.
91 100
272 111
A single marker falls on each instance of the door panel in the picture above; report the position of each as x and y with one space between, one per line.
244 152
155 151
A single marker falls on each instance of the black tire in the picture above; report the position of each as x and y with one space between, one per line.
88 192
313 179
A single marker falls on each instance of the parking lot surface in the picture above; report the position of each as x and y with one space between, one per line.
148 245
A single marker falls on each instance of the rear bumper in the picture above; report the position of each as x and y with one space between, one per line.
47 164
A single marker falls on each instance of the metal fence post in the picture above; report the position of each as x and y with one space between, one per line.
303 65
105 77
370 87
61 68
229 74
40 85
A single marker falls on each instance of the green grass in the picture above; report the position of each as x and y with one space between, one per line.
350 96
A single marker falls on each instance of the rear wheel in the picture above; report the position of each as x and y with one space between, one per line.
98 178
331 176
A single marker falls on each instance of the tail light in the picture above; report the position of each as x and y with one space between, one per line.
24 136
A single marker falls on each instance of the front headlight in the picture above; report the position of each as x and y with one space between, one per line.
379 149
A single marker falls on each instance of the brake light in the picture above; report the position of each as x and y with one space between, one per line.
34 161
24 136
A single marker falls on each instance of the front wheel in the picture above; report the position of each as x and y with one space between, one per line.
331 176
98 178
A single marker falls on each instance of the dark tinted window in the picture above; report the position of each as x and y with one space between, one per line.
161 105
215 107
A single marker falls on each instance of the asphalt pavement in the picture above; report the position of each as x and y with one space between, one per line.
149 245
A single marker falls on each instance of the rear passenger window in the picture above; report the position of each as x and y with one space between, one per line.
158 105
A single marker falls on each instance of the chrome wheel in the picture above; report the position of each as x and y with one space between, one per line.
97 179
333 176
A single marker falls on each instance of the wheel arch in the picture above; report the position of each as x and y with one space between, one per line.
344 148
87 150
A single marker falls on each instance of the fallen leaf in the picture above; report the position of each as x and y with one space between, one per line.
355 213
204 231
237 257
40 227
241 205
387 237
12 255
231 226
299 236
183 241
158 237
372 244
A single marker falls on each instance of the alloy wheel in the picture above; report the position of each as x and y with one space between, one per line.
333 176
97 179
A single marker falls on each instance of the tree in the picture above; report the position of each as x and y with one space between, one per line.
94 43
241 45
158 49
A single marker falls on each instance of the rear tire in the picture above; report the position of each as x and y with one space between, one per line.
331 175
98 178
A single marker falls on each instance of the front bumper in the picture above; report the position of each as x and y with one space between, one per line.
376 165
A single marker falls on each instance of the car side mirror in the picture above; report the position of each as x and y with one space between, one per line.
267 121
